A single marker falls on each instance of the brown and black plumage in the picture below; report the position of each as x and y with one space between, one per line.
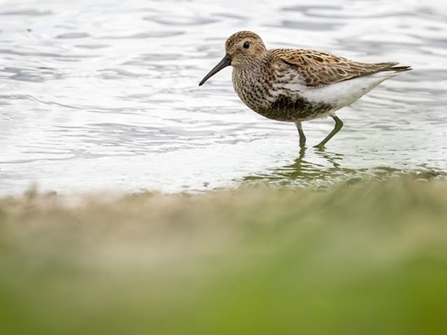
298 85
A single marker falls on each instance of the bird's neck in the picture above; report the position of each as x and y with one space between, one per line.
251 70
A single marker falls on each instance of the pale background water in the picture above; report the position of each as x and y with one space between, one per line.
103 94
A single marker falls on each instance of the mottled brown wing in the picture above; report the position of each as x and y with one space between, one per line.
321 69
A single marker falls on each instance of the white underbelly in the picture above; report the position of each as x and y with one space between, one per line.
339 94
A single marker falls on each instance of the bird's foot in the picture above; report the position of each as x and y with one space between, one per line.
320 147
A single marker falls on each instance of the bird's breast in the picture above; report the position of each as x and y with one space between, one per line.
254 89
269 96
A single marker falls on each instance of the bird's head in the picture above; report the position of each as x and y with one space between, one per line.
242 49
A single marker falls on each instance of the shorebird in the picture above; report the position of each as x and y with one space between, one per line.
297 85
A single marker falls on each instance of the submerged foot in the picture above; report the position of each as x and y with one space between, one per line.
320 147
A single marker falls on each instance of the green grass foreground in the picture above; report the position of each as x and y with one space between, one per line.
369 258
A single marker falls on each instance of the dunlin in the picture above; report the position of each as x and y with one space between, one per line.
297 85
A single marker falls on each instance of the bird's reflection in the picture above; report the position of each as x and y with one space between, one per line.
320 162
309 166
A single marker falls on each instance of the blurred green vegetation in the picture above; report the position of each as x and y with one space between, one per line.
368 258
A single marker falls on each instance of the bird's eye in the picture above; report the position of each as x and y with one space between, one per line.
246 45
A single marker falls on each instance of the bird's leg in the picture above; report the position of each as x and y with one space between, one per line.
301 133
338 126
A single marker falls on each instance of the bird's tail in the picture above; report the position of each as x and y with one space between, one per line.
399 68
389 70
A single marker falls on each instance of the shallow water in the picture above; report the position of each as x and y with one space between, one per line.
103 94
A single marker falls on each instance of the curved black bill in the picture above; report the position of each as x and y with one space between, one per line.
226 61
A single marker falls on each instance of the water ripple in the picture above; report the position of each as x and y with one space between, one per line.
106 94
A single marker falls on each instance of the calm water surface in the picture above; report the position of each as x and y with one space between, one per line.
103 94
